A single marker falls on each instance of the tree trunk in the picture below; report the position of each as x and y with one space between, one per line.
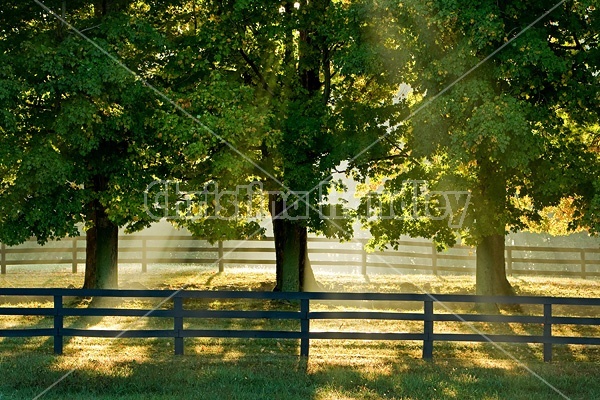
490 201
293 270
103 7
102 249
491 267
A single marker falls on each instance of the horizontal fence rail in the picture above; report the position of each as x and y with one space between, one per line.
412 256
178 313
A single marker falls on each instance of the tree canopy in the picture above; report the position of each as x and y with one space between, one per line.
516 131
226 94
314 82
80 132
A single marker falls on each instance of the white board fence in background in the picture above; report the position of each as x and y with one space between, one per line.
412 256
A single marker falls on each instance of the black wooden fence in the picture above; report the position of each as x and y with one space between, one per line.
178 313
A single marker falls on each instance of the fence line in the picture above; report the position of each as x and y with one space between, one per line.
412 256
178 313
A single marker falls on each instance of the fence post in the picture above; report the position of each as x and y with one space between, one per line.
547 332
509 260
583 266
363 265
74 256
434 259
3 259
144 256
58 324
221 262
178 324
304 327
428 329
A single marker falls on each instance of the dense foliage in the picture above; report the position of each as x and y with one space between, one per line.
214 96
506 107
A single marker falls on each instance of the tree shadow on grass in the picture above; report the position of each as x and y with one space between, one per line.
157 375
417 379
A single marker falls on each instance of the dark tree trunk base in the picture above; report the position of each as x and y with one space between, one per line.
293 269
491 267
491 272
102 251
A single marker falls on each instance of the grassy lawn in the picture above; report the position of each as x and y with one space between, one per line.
128 369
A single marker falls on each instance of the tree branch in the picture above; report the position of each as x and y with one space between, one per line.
577 43
388 141
562 46
390 157
256 71
327 76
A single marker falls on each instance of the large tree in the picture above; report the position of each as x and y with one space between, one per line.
515 132
314 81
81 135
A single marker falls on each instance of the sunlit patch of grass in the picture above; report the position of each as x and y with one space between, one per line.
559 287
237 278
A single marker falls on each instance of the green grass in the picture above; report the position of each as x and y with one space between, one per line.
120 373
132 369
